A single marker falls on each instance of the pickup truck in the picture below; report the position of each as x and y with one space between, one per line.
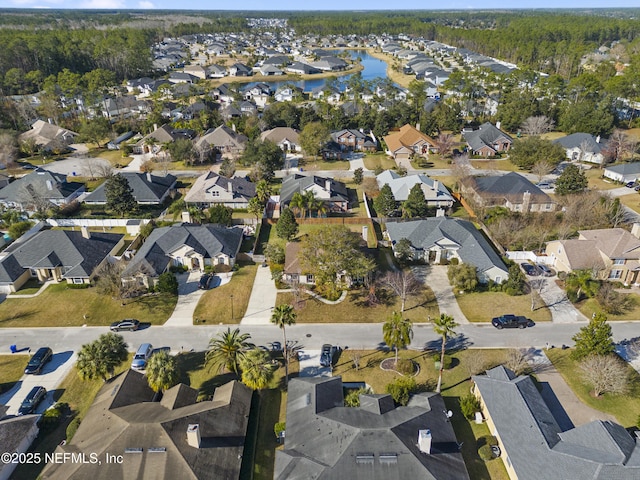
511 321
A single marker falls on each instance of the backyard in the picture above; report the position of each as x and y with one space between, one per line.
483 306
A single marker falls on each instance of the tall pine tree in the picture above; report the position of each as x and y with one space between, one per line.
415 205
119 195
385 202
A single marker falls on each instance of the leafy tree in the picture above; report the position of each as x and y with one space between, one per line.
313 137
221 214
593 339
403 250
287 226
162 371
119 195
385 202
17 229
147 228
469 405
227 167
571 180
100 358
227 349
181 150
397 332
606 374
95 130
401 389
516 282
587 116
526 152
357 176
264 158
284 316
463 276
415 205
257 369
167 283
444 325
274 252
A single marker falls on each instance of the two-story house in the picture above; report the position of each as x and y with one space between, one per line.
488 140
213 189
408 141
351 140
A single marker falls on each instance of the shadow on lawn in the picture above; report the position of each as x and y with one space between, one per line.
21 315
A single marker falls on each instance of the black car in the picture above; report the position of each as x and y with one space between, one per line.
325 355
32 400
205 281
128 324
37 362
546 271
630 184
511 321
530 270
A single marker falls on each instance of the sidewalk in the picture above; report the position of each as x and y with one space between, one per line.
262 299
439 283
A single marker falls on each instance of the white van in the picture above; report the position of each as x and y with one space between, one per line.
142 355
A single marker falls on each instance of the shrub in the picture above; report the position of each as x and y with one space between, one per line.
72 427
405 366
454 261
279 427
167 283
51 417
485 453
469 405
447 360
222 268
352 399
401 389
78 286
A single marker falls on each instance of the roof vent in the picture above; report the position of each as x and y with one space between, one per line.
365 459
424 441
193 435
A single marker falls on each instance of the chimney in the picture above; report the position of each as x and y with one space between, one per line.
327 184
526 201
635 230
85 232
155 127
418 126
193 435
233 127
229 186
436 185
49 185
598 139
424 441
149 177
50 120
498 125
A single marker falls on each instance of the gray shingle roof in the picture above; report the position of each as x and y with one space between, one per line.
241 187
146 188
299 183
581 140
625 168
510 186
42 183
401 186
473 248
485 136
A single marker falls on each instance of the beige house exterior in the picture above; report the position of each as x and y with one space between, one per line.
408 141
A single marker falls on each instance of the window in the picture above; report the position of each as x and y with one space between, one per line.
615 274
309 278
78 280
215 193
618 261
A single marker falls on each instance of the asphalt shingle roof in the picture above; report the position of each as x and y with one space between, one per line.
146 188
582 141
299 183
40 183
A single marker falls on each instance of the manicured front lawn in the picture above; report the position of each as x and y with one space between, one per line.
503 164
355 309
632 200
373 161
590 306
309 163
11 370
215 305
624 407
60 306
598 183
482 307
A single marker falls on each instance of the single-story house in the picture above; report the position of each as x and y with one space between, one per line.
176 437
435 193
408 141
293 271
153 142
213 189
115 143
288 139
333 193
441 239
193 246
57 255
488 140
512 191
147 189
39 190
48 136
533 444
582 147
16 436
223 140
624 172
324 439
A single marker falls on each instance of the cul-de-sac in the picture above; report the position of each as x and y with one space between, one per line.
295 245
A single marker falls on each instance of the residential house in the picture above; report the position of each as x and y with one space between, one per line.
488 140
48 136
155 141
293 271
329 94
56 255
182 77
351 140
324 439
40 190
248 108
583 147
240 70
277 61
5 180
612 253
193 246
176 437
216 71
197 71
118 141
408 141
223 94
213 189
512 191
229 112
147 189
223 140
624 172
302 68
123 107
438 240
333 193
288 139
270 70
287 94
534 445
435 193
16 436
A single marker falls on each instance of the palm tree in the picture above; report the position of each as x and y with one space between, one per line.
309 201
263 191
397 332
283 315
298 204
227 350
162 371
257 369
444 326
100 358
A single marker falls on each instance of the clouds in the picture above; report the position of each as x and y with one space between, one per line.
101 4
146 4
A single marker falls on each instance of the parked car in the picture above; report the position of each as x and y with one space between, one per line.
530 269
630 184
544 185
205 281
325 355
128 324
38 361
546 271
143 354
32 400
511 321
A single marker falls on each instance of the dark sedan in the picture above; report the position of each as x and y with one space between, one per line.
511 321
37 362
32 400
530 270
128 324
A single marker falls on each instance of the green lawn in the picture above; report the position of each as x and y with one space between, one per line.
632 200
215 305
60 306
356 309
321 164
624 407
596 181
373 161
590 306
482 307
503 164
11 370
112 156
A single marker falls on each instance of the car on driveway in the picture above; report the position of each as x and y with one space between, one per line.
328 354
37 362
128 324
32 400
544 185
546 271
511 321
205 281
530 269
630 184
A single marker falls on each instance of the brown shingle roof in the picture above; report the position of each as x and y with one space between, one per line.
614 242
407 136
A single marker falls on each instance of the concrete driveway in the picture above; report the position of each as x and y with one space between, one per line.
309 361
436 277
262 299
76 166
188 297
562 310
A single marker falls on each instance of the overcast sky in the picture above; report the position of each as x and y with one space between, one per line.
316 5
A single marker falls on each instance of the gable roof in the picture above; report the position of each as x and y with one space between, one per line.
299 183
279 134
406 137
127 418
473 248
207 240
613 242
535 444
486 135
241 187
147 188
326 440
78 256
580 254
44 133
401 186
625 168
581 140
40 184
222 136
510 187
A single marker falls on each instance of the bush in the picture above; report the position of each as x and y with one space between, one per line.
485 453
279 427
469 405
222 268
167 283
178 268
72 427
401 389
50 419
447 360
405 366
78 286
454 261
352 399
